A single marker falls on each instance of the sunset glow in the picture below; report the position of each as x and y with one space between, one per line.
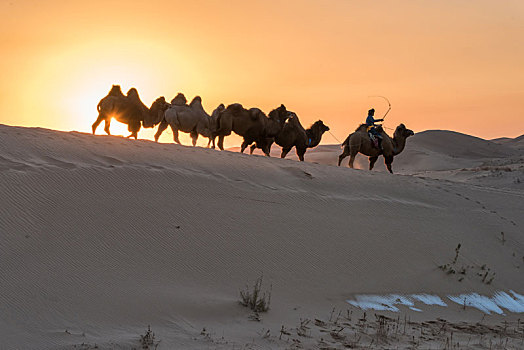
453 65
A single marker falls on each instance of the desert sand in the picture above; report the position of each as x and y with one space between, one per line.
103 237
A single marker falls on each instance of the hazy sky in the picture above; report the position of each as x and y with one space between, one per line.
448 64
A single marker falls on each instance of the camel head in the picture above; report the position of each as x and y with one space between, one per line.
402 132
280 114
320 126
217 111
179 100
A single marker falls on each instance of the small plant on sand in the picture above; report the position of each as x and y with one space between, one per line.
450 267
484 272
457 251
148 340
254 298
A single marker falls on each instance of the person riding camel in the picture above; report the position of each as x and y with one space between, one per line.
373 133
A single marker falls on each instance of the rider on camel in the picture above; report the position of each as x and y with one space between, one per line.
373 133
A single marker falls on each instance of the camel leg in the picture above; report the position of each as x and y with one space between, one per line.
300 153
97 122
352 155
244 146
267 150
285 151
269 144
344 154
194 137
264 144
163 126
252 148
106 126
221 142
175 134
211 141
388 161
372 161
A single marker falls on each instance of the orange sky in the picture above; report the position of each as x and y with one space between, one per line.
456 65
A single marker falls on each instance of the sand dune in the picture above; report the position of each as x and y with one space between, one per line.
515 143
102 236
445 155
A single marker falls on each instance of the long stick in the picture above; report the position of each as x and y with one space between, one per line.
389 104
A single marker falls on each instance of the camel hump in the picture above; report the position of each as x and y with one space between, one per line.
116 90
114 94
379 128
179 100
254 113
235 108
133 93
197 100
362 127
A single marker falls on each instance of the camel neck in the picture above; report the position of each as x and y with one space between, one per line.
399 143
313 138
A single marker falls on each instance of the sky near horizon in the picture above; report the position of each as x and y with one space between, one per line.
454 65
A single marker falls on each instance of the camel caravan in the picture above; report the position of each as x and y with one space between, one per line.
257 129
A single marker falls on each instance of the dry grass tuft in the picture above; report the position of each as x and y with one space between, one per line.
254 298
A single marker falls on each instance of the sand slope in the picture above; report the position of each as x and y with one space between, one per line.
102 236
445 155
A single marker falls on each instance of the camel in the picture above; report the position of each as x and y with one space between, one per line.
128 110
359 141
191 118
252 125
293 134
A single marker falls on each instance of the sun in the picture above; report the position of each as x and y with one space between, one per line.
71 83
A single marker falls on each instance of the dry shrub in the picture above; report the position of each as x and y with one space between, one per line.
254 298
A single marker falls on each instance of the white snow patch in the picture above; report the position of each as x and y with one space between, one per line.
495 304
